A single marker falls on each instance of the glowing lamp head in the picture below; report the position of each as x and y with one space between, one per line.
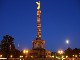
60 51
25 51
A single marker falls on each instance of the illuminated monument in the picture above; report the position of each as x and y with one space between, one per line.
38 45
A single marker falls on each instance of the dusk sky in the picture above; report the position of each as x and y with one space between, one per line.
60 20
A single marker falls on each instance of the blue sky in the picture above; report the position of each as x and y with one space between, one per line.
60 20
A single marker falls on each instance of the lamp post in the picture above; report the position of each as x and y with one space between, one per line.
25 52
60 52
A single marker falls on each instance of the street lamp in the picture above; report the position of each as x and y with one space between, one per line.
60 51
25 51
1 56
11 56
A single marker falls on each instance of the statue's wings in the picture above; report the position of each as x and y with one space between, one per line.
38 3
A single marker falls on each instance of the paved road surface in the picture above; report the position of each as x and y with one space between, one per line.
37 59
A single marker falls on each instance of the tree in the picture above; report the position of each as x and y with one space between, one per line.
75 51
69 52
7 45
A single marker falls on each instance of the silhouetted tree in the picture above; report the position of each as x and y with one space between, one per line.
75 51
17 53
7 45
69 52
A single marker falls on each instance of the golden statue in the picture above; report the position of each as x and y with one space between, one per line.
38 3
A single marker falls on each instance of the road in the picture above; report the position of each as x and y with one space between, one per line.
38 59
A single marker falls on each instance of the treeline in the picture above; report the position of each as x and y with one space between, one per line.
68 53
72 52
